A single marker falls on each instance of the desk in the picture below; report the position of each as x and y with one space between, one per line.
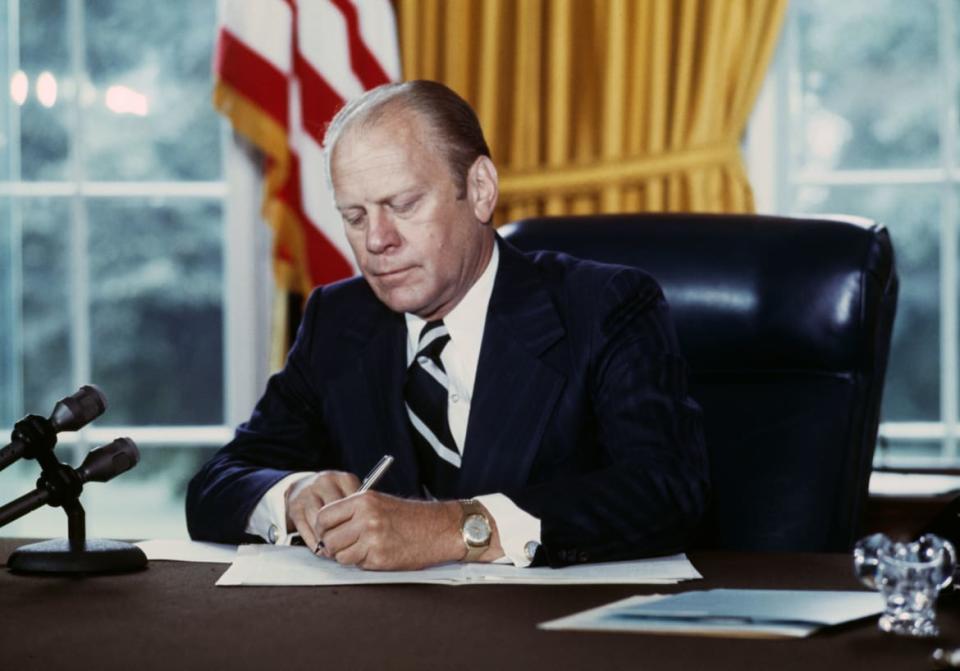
172 617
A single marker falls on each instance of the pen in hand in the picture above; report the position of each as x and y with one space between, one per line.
373 477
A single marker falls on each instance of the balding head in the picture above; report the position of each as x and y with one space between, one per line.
451 121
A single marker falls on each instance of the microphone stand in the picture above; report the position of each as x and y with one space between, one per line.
60 485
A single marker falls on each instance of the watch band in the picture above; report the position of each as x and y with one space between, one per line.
475 545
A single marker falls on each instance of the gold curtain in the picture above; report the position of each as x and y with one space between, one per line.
602 105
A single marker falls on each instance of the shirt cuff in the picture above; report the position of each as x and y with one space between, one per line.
519 530
269 519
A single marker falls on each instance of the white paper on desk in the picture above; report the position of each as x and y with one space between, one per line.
727 612
295 565
655 571
281 565
912 484
181 550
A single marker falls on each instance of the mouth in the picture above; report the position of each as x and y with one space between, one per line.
391 274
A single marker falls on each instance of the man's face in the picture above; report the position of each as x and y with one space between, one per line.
419 246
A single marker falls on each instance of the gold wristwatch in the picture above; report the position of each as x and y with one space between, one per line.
475 529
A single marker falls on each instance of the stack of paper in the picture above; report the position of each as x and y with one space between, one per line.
727 612
284 565
181 550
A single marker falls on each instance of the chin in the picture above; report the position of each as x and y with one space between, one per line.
399 302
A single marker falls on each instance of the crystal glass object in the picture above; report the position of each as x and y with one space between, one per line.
909 576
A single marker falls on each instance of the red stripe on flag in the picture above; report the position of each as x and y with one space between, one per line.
363 63
318 101
253 77
324 260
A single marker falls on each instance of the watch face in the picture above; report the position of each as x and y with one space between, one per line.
476 531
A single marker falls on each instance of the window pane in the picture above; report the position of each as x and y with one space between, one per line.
869 84
156 319
9 326
150 115
912 215
34 306
46 302
146 502
51 90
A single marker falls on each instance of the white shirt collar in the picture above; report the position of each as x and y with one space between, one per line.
465 323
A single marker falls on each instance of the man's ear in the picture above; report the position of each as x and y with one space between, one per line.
483 188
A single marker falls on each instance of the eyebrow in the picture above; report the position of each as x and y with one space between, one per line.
412 192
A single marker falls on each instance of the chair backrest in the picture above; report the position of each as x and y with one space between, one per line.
786 324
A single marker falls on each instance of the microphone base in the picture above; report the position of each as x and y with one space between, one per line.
97 556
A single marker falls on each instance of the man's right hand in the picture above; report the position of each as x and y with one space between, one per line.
306 497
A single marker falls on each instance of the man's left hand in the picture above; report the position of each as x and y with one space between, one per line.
381 532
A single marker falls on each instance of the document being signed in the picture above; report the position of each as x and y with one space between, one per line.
285 565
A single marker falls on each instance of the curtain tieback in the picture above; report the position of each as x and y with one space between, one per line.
547 180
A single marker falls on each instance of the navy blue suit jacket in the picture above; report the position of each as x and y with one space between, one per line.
580 412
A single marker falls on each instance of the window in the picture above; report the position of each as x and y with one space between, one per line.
116 266
859 116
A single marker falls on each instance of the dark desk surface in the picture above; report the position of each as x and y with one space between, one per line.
172 617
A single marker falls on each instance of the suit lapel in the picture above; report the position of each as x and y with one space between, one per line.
373 401
515 390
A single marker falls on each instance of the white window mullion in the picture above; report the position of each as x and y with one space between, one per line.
154 437
948 230
766 160
13 62
883 177
79 271
16 220
948 320
247 284
204 190
787 71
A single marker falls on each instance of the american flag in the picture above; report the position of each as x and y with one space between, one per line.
283 68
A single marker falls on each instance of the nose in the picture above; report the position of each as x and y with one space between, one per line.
382 232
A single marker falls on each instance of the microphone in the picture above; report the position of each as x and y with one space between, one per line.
108 461
33 435
100 465
60 486
78 409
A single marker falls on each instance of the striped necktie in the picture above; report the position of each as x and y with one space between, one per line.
425 393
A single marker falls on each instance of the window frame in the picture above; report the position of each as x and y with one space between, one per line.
247 280
775 180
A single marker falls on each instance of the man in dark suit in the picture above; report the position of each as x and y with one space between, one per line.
536 405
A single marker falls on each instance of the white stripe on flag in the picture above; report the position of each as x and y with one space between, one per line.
264 26
317 199
442 450
378 29
324 43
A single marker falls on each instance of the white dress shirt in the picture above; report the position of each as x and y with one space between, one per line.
519 531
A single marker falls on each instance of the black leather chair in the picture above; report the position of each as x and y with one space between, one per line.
786 326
